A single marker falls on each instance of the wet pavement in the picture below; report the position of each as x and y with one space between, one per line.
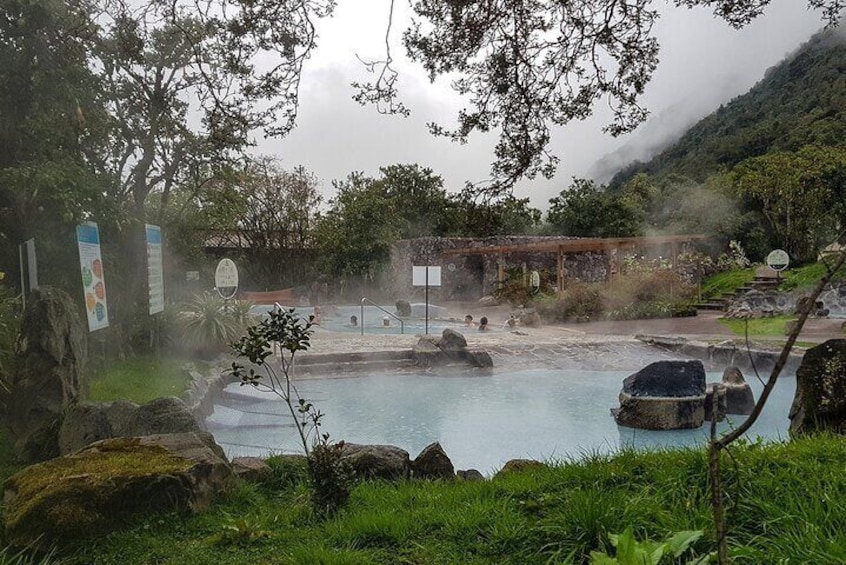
559 339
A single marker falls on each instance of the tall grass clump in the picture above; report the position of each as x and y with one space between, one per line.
209 323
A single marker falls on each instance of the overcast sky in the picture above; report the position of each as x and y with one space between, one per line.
703 64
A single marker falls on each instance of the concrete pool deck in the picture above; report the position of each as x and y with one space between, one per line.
704 327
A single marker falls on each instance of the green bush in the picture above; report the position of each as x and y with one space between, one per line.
210 323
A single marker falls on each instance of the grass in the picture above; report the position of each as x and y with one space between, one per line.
773 326
806 277
787 504
138 380
726 282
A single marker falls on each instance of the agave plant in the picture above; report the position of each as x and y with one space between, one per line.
210 323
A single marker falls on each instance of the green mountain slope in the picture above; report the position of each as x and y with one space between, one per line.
799 102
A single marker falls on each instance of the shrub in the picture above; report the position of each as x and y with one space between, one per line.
330 477
209 323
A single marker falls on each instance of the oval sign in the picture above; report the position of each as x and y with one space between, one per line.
778 260
226 278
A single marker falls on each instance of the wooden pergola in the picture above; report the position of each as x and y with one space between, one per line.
612 247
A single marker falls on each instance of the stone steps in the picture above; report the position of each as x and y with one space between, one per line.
761 283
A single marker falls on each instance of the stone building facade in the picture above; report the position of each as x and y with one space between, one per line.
469 277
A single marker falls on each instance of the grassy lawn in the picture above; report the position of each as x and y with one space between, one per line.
787 504
806 276
138 380
773 327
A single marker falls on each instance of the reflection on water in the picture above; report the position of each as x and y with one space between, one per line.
481 421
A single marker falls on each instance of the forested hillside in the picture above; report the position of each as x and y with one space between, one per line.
766 170
799 102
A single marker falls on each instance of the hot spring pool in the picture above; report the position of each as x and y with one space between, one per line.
337 319
481 421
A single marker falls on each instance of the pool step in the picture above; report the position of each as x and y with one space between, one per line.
330 364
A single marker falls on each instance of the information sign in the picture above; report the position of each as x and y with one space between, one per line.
226 278
155 272
93 279
778 260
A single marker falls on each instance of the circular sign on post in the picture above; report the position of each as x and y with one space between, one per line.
226 278
778 260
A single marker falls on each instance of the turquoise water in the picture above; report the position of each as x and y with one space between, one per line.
337 318
481 421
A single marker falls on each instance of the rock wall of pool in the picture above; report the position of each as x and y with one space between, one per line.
552 407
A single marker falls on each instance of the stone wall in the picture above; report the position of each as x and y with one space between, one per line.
469 277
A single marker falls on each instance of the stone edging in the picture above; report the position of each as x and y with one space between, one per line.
721 355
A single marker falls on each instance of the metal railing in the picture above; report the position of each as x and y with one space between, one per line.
391 314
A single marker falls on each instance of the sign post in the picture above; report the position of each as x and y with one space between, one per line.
226 279
426 276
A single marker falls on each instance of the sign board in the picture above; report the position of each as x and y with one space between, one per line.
778 260
192 275
534 281
419 277
226 278
93 279
155 272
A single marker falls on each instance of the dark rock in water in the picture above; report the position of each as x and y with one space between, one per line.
665 395
377 461
403 308
94 491
426 353
51 375
448 349
432 463
710 391
739 396
452 340
479 358
667 378
470 475
820 400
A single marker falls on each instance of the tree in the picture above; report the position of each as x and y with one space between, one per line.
417 197
529 65
586 210
275 225
354 237
47 96
800 195
470 215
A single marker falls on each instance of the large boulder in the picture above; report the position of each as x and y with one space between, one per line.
84 423
432 463
665 395
95 490
377 461
739 396
449 348
820 400
167 415
452 340
51 372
